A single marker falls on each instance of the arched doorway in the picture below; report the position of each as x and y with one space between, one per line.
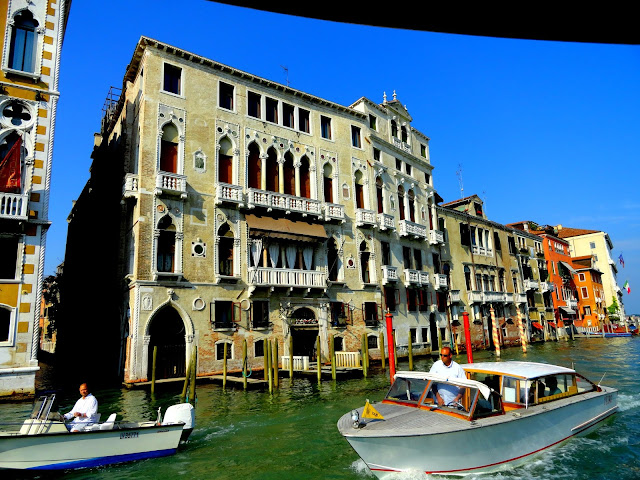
167 332
304 332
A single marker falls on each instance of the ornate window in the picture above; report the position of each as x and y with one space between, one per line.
24 42
169 149
255 167
328 183
225 161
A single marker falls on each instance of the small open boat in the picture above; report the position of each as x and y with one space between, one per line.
42 442
508 412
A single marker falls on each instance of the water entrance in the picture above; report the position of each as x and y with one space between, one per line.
167 333
304 342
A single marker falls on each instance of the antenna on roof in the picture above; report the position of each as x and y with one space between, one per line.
286 70
459 175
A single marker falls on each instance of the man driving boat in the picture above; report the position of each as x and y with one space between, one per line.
84 412
447 394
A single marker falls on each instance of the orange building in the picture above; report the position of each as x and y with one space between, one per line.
590 293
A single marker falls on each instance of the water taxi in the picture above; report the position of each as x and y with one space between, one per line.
507 413
42 442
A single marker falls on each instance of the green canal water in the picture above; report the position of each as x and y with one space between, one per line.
292 434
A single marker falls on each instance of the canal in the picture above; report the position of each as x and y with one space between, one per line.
292 434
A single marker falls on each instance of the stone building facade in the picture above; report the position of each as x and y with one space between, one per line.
236 209
31 42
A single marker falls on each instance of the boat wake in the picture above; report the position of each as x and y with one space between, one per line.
627 402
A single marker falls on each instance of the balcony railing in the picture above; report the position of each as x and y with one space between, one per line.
416 277
474 297
401 145
521 298
385 221
365 217
440 281
348 359
171 183
572 303
410 228
454 296
530 284
436 237
508 297
130 188
13 205
333 211
493 297
229 193
389 274
281 201
285 277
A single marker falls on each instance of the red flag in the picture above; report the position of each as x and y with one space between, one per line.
10 180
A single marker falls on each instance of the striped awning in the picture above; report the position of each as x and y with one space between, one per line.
285 229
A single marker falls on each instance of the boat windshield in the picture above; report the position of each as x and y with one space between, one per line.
458 399
407 389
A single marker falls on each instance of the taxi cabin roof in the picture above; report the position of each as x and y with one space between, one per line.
517 369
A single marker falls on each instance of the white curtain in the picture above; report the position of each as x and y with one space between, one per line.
307 255
256 250
291 252
274 252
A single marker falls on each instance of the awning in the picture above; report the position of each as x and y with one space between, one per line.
553 324
569 267
536 325
285 228
568 310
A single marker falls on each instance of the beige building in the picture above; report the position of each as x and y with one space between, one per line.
31 42
248 211
495 273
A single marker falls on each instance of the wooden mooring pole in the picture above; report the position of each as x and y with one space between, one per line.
153 370
319 358
244 364
290 358
332 357
276 367
410 344
382 354
364 355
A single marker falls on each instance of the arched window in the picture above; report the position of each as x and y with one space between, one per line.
255 167
467 278
359 190
394 128
273 175
22 51
225 161
328 183
401 202
332 260
11 155
446 269
404 133
169 149
412 205
289 174
379 195
225 251
364 262
166 245
305 178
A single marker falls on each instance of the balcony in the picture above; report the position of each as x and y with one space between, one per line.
493 297
454 296
572 303
440 281
401 145
410 228
285 277
14 206
547 287
171 184
281 201
508 297
333 211
385 221
389 274
436 237
229 194
130 188
366 218
521 298
474 297
415 277
530 284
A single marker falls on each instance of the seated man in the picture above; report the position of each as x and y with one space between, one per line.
447 394
84 412
552 385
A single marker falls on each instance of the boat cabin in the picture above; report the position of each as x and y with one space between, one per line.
491 388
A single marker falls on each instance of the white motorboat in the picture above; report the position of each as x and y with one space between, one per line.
42 442
508 412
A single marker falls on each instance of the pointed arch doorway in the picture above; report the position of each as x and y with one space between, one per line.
167 332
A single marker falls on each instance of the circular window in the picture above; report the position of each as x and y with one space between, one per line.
16 114
199 304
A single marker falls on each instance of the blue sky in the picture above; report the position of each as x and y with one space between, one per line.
543 131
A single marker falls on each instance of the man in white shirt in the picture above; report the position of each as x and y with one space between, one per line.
84 412
446 394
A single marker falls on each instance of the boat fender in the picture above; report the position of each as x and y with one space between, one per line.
182 412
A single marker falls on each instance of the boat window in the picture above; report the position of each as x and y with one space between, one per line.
584 385
487 407
448 392
513 391
407 389
490 380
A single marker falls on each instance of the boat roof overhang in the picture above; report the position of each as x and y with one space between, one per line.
523 370
458 382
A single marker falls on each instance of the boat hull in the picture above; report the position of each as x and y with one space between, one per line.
485 445
87 449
